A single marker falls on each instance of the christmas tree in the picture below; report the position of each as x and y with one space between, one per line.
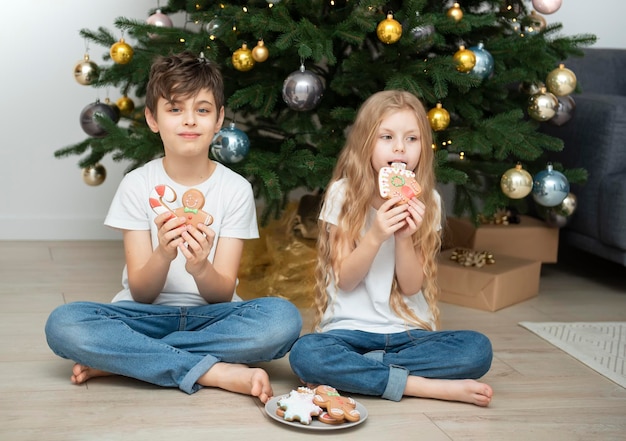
296 71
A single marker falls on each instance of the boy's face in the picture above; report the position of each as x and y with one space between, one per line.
398 140
187 125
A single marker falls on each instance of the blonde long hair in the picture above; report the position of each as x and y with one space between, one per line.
354 165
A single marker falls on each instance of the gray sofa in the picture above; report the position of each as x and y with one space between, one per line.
595 139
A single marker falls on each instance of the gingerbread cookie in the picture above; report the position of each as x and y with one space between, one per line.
298 406
338 408
192 200
398 181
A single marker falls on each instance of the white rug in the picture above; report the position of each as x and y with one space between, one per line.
600 345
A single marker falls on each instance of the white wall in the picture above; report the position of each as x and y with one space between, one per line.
44 198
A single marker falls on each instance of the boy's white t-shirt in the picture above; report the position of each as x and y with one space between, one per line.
366 308
228 198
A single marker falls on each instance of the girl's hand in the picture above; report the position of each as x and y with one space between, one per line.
170 228
414 220
389 219
197 245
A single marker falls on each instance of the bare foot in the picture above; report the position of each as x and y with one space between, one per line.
239 378
466 391
82 373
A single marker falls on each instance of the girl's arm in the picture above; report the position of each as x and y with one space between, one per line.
356 263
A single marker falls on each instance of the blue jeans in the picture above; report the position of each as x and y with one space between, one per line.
172 346
379 364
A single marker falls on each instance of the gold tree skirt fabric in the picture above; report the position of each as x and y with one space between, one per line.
281 263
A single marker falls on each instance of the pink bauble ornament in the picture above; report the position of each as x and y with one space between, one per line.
547 6
159 19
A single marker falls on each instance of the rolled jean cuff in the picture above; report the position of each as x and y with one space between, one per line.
396 383
189 383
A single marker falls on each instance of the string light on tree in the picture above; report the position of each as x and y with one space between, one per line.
389 30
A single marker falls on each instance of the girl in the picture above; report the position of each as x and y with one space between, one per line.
376 306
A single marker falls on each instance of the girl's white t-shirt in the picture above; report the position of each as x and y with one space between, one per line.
228 198
366 308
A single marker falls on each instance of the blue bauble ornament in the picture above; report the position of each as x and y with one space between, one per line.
550 187
484 62
302 90
230 145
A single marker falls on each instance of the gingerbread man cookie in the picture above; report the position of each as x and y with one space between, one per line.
298 406
193 201
398 181
338 408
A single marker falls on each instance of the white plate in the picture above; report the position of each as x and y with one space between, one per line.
272 405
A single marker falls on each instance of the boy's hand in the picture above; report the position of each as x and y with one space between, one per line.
197 245
170 228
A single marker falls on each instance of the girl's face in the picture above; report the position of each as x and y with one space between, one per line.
187 126
398 140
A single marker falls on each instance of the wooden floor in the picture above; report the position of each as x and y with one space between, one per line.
540 393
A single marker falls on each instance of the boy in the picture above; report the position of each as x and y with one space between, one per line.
177 321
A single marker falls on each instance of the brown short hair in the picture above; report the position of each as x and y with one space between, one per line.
181 76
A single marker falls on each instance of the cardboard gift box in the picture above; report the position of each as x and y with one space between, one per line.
507 281
530 239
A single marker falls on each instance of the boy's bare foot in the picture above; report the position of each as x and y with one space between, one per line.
466 391
82 373
239 378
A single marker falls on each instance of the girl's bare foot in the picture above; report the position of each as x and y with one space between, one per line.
466 391
239 378
82 373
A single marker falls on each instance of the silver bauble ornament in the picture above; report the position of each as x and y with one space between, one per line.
230 145
565 110
86 71
94 174
516 182
550 187
547 6
88 120
302 90
483 67
554 219
543 105
423 36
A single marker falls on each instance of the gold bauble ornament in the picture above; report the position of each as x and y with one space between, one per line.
455 12
439 118
242 58
543 105
516 183
94 174
126 105
536 21
389 30
568 206
121 52
465 59
86 71
561 81
260 53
